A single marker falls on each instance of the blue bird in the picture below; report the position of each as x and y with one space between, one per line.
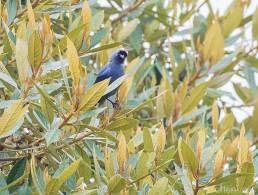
113 70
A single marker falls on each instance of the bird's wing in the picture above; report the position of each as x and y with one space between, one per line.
103 74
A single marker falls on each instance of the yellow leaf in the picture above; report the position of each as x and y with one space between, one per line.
35 179
201 142
215 115
109 164
68 172
218 163
187 156
213 46
243 147
196 94
226 124
46 109
74 63
35 50
255 24
232 20
161 141
122 152
46 25
31 16
165 102
86 13
126 85
93 95
124 89
46 176
11 117
232 150
160 187
22 53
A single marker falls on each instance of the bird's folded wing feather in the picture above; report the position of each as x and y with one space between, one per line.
103 74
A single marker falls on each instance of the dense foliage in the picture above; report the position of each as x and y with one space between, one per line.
176 131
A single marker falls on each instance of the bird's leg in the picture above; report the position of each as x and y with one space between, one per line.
114 104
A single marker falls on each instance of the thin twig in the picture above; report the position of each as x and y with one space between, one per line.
80 137
128 11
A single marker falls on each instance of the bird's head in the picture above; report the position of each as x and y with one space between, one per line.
119 56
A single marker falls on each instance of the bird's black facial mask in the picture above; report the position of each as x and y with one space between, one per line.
122 55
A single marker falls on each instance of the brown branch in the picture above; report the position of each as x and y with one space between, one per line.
80 137
128 11
66 120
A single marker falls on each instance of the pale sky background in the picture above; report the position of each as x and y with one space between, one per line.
220 6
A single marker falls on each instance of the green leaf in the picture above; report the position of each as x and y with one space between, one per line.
195 96
97 20
227 123
243 92
122 124
52 136
93 95
173 180
225 179
220 80
147 140
50 187
47 98
17 171
55 183
11 10
227 193
74 63
246 181
46 109
74 35
167 156
7 78
101 132
11 117
115 84
14 183
213 46
3 184
187 156
126 31
116 184
143 164
255 24
136 39
34 176
223 63
35 50
68 172
232 20
101 48
159 187
185 179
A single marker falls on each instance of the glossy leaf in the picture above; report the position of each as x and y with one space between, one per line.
11 117
35 50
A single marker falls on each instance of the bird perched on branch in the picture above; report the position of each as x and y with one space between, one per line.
113 70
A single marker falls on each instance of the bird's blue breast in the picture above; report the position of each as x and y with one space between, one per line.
116 73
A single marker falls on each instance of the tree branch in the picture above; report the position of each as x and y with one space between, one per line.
128 11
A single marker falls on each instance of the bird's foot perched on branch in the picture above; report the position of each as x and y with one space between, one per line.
115 105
